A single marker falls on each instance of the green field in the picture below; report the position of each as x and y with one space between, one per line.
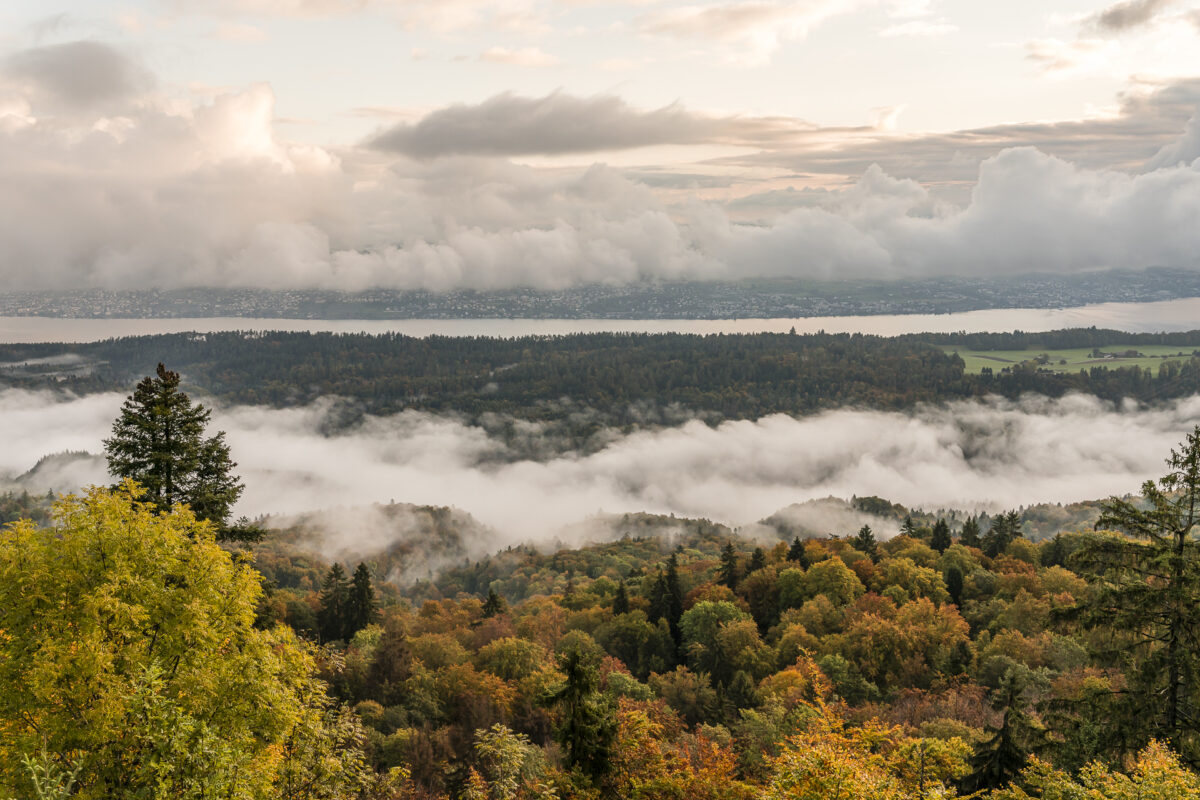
1150 356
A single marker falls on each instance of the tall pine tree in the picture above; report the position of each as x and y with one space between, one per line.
334 601
1147 591
361 608
158 440
940 540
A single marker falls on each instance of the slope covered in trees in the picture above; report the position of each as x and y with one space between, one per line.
684 661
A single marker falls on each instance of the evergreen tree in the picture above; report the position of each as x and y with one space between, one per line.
334 600
1147 592
864 542
361 608
742 693
674 596
970 533
621 600
1054 553
907 528
940 540
494 604
158 440
589 724
727 572
954 585
1000 759
758 560
660 602
798 554
1005 529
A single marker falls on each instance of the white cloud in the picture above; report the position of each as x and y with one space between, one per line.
748 31
520 57
992 454
920 27
1058 58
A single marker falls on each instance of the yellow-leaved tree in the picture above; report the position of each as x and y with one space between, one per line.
130 666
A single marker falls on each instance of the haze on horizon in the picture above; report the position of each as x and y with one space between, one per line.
347 144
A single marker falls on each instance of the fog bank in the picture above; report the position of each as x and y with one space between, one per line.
974 455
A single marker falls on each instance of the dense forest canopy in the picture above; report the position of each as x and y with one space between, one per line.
627 378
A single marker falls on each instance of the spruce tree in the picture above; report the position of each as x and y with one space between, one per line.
334 600
864 542
361 608
798 554
1147 590
907 528
674 596
621 600
158 440
589 723
1005 529
954 585
970 533
727 573
940 540
494 604
1001 758
758 560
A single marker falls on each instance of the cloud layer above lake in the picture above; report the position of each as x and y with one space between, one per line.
108 181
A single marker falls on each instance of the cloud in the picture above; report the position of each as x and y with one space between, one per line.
75 75
1130 14
990 454
920 28
1058 58
521 57
511 125
749 31
1149 118
168 195
1184 150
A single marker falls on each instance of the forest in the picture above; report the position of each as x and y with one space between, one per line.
627 379
141 657
151 646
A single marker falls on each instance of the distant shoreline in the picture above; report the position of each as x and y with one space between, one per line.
1162 316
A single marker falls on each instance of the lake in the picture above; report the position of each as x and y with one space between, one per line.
1168 315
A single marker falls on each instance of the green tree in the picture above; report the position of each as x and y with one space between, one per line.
494 604
334 603
1005 529
158 440
1147 591
758 560
954 585
361 608
864 542
940 540
589 721
1000 759
728 572
129 649
969 537
621 600
798 554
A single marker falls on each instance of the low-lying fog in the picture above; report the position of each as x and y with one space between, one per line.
988 455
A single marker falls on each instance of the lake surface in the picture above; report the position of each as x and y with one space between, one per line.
1168 315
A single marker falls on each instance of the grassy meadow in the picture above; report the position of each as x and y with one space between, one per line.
1074 359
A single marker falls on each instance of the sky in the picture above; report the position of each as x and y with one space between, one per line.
350 144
